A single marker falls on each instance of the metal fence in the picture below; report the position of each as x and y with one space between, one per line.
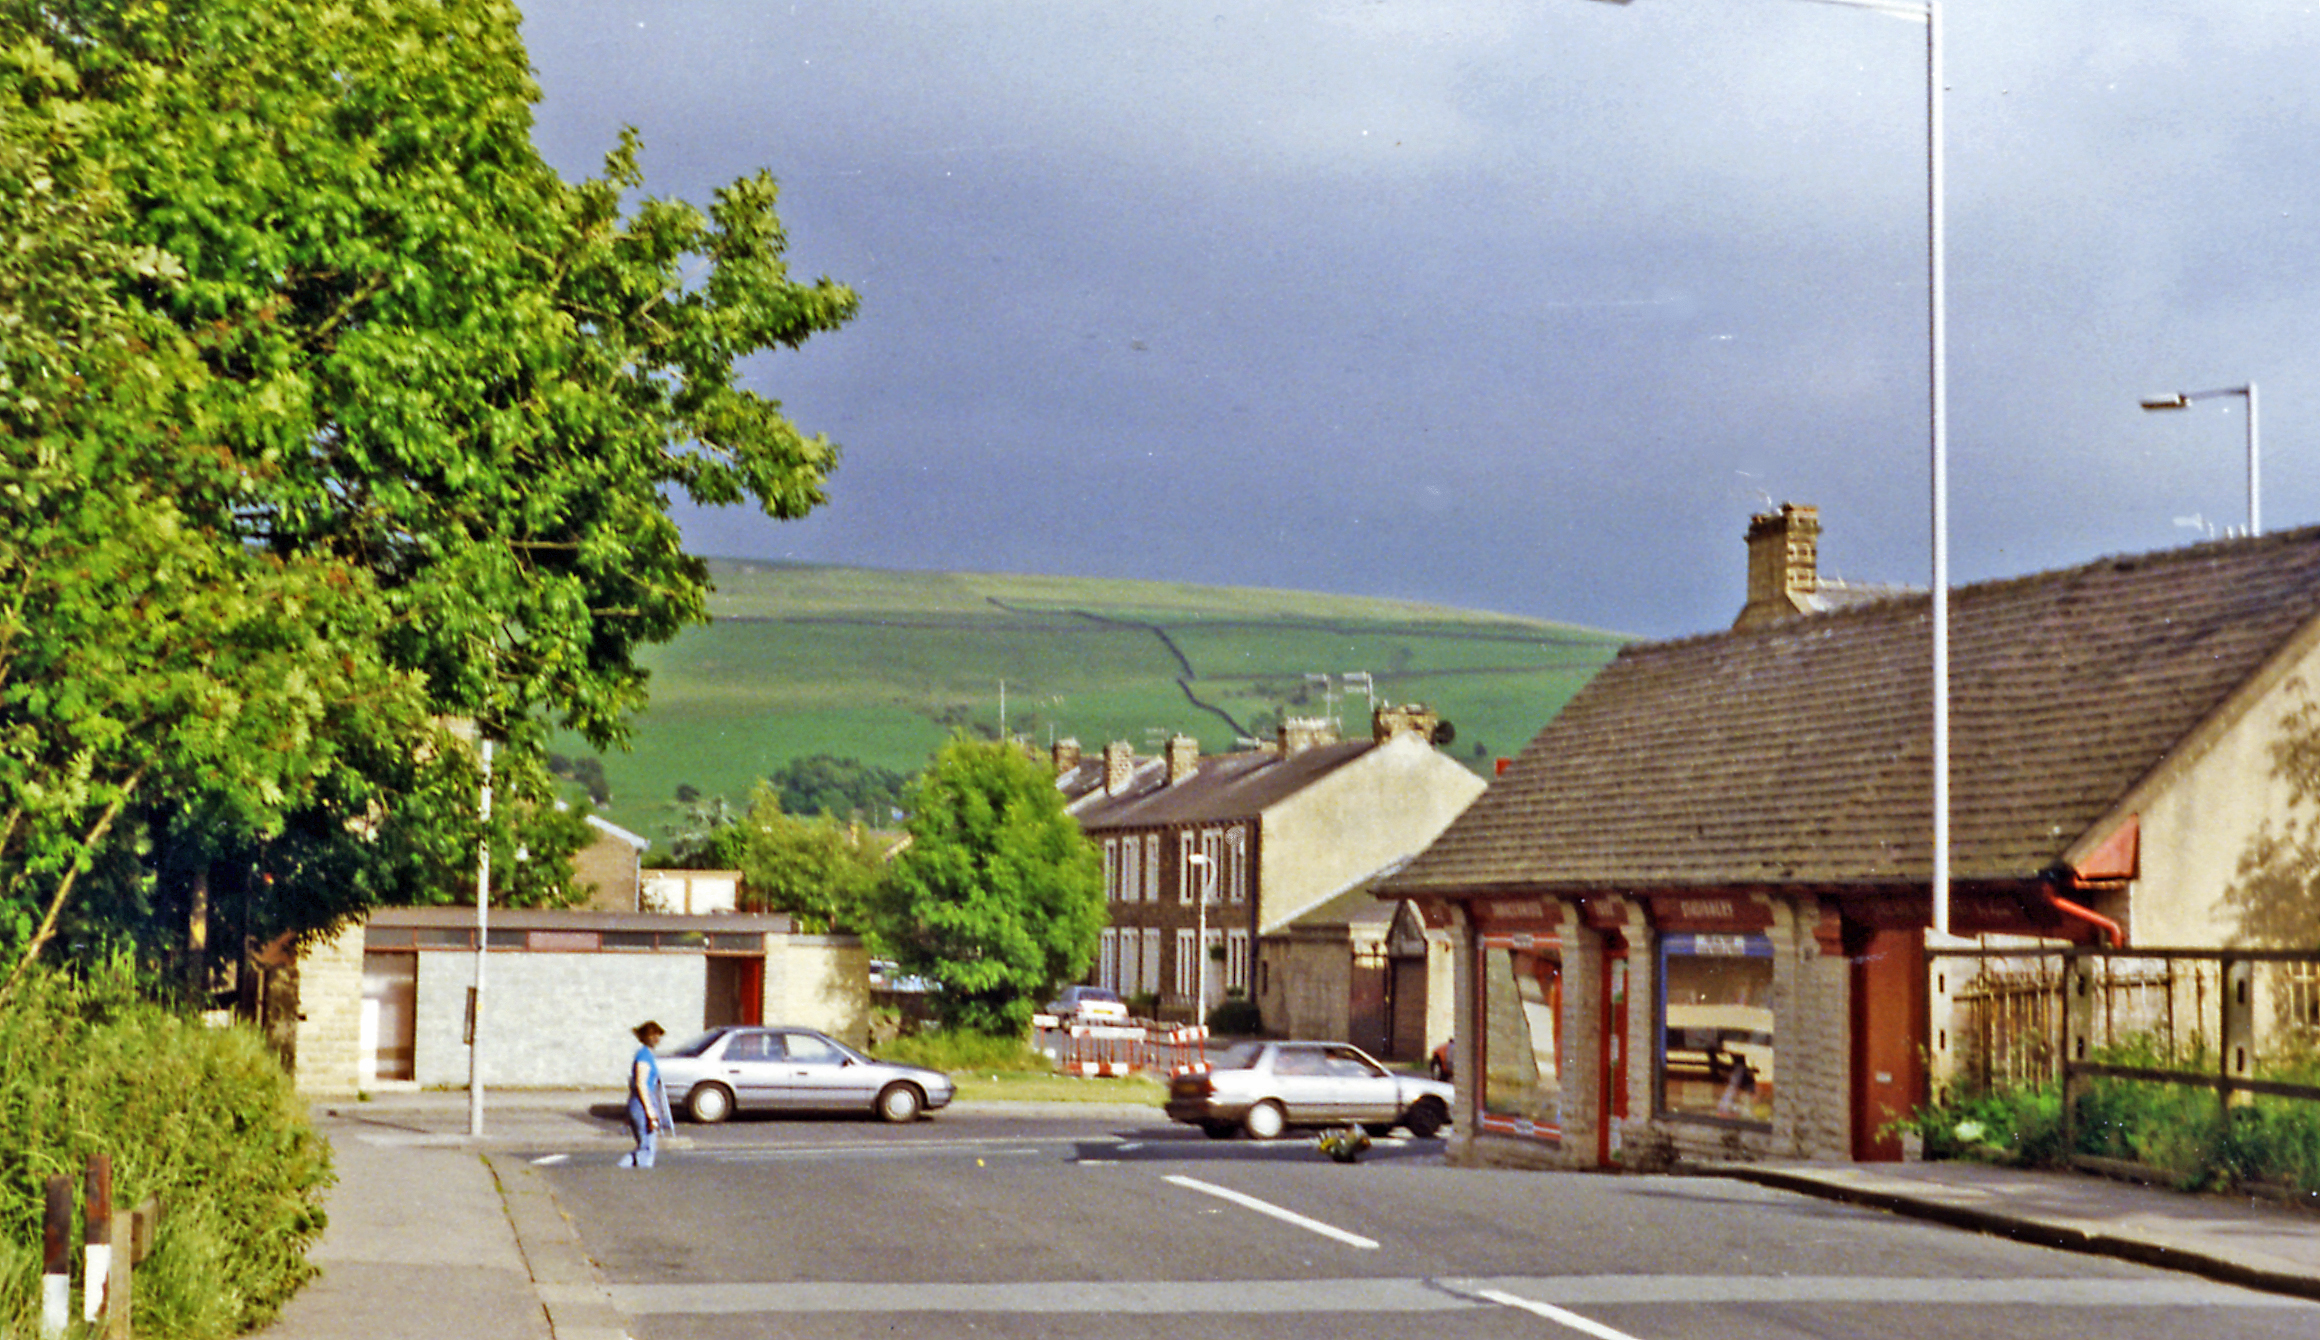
2212 1018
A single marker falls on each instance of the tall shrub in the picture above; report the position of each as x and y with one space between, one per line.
204 1118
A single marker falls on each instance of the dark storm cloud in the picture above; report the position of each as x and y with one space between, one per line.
1517 306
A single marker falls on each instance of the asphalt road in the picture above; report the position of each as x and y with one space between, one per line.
1097 1228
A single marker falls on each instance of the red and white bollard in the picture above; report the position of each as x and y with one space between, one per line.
56 1258
97 1238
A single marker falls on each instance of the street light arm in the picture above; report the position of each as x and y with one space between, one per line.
2183 399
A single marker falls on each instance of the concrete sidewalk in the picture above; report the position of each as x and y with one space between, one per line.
435 1235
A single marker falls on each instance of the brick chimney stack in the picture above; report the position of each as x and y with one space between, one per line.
1299 734
1066 755
1783 564
1119 767
1183 758
1410 718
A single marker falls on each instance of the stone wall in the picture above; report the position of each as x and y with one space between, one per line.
329 1048
819 981
552 1020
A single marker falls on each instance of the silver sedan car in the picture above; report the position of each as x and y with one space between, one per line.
1265 1087
784 1069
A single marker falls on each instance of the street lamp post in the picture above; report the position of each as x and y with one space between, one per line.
482 949
2183 399
1937 391
1207 865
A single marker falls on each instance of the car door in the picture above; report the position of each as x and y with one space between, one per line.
1358 1088
821 1075
751 1066
1300 1079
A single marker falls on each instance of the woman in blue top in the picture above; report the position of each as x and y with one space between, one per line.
648 1102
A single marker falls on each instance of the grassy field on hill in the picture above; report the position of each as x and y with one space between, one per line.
883 666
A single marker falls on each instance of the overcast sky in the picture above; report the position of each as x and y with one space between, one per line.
1519 306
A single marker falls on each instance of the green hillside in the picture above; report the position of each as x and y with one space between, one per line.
882 666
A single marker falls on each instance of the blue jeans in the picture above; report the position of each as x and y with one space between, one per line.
647 1139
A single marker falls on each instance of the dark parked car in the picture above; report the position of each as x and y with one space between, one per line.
793 1070
1265 1087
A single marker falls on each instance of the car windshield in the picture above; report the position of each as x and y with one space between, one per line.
697 1045
1239 1056
1097 993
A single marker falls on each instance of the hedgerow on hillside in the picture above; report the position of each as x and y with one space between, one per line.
203 1118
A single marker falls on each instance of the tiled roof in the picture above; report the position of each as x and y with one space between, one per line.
1227 786
1799 752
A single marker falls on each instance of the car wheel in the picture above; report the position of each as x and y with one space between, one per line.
1218 1130
899 1103
1379 1129
1265 1121
709 1104
1427 1119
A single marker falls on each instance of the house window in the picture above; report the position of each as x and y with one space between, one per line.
1152 866
1716 1053
1212 875
1522 1034
1236 865
1131 963
1152 960
1131 873
1108 960
1236 961
1187 965
1187 874
1111 870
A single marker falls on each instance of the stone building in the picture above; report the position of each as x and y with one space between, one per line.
385 1002
1234 849
1692 915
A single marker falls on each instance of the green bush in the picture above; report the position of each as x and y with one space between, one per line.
204 1118
2177 1132
1236 1016
962 1050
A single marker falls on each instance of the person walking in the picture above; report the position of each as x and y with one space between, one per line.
648 1102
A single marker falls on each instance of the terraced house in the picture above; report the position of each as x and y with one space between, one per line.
1693 913
1217 866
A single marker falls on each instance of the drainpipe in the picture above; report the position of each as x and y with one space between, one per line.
2110 929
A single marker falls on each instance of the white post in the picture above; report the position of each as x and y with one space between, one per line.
482 948
1937 363
2255 477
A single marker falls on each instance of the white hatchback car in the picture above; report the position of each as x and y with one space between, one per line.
1089 1005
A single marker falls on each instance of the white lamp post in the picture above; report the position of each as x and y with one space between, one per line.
1937 389
1200 948
482 947
2183 399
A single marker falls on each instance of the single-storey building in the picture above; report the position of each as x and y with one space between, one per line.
1692 916
386 1001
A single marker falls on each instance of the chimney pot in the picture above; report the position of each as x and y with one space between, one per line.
1183 758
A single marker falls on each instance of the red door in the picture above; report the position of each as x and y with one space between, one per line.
1889 1021
1614 1104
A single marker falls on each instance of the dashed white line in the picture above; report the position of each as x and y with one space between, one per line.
1268 1208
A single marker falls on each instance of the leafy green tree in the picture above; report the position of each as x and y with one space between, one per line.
840 787
997 897
408 408
820 871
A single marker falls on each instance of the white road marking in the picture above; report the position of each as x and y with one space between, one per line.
1554 1314
1285 1216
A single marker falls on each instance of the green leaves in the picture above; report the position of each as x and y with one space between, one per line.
329 406
998 897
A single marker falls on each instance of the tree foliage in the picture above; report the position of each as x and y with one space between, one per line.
843 788
998 897
820 871
331 411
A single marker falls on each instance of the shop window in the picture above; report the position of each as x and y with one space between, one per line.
1717 1057
1522 1051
